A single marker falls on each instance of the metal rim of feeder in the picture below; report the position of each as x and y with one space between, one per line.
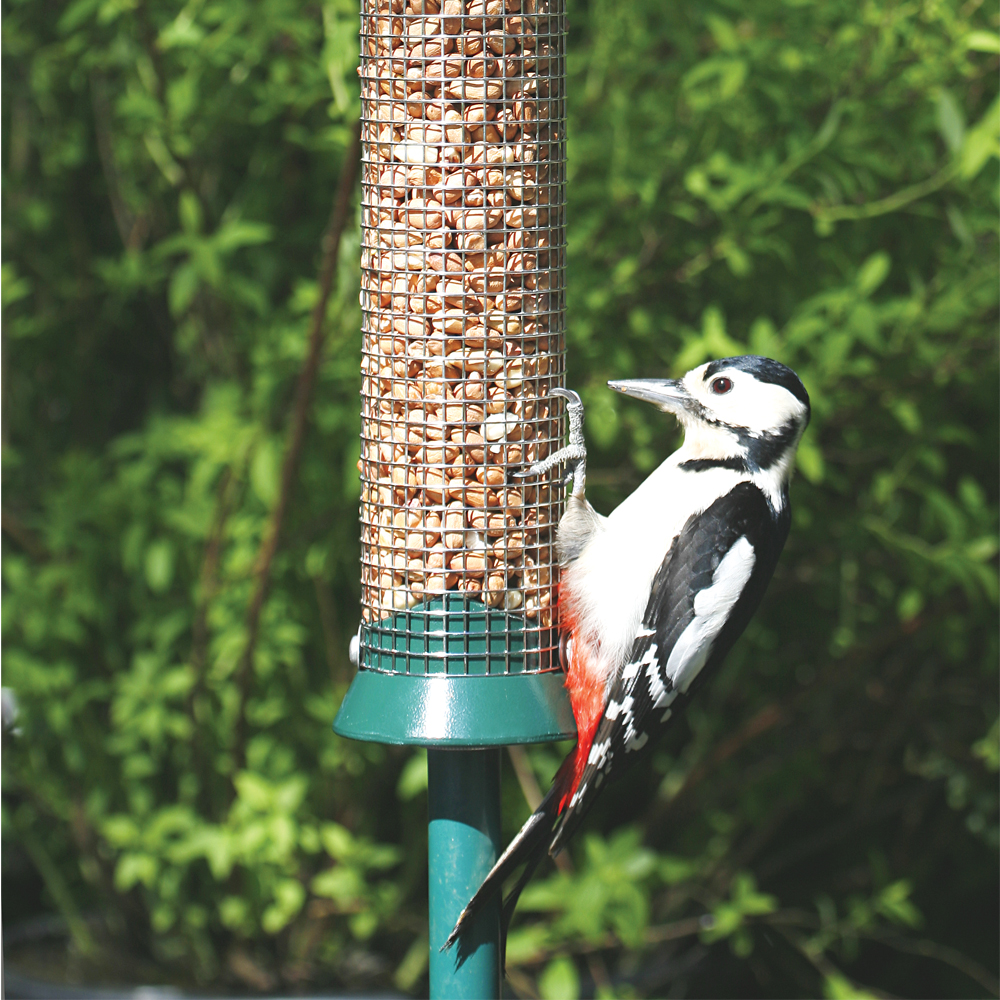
463 297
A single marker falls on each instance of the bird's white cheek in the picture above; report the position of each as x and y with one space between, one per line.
707 441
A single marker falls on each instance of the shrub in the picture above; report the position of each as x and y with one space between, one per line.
812 182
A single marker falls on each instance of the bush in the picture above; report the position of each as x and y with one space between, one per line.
812 182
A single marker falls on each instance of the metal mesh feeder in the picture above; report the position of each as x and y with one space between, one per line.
462 294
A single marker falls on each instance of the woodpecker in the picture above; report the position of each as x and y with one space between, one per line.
652 597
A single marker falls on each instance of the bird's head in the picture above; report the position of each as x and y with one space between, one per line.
748 409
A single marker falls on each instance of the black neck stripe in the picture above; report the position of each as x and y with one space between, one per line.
763 451
735 463
766 450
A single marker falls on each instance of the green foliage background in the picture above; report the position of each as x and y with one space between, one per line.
812 181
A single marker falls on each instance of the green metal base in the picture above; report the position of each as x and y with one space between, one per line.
455 673
436 710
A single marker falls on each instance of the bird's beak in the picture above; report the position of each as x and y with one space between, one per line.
668 394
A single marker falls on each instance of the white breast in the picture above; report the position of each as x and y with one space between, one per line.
608 586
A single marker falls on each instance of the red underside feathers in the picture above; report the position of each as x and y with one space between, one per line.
586 695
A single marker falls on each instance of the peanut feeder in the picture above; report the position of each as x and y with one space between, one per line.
462 295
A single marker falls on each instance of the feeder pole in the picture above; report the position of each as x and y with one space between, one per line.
463 842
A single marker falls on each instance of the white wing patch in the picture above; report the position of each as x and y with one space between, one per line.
636 741
598 753
711 609
657 689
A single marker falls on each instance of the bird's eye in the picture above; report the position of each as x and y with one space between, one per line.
720 386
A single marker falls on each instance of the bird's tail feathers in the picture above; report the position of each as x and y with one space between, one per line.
510 903
528 847
570 819
586 781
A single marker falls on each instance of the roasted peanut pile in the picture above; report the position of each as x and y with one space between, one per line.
462 294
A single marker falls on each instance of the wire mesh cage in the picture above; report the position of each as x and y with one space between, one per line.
463 294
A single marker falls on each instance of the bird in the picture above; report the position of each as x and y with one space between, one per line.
653 596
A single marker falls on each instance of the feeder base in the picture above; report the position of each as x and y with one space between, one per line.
437 710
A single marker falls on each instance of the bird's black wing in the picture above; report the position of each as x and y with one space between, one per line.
704 593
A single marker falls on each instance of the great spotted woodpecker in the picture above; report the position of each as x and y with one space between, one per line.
652 598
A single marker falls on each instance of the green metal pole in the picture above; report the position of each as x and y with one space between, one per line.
463 843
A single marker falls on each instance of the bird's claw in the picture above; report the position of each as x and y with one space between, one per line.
574 410
574 454
568 394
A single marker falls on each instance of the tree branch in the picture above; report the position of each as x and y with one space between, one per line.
300 411
13 526
131 228
891 203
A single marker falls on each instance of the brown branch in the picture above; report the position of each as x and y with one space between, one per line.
522 983
300 411
767 718
15 527
208 588
331 629
209 579
106 154
891 203
131 228
659 934
941 953
530 788
911 946
824 966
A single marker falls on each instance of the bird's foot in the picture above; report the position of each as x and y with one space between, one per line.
574 455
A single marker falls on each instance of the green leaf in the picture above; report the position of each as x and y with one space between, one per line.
809 458
893 902
265 471
236 233
988 748
364 924
254 791
189 209
413 778
412 967
337 840
873 272
950 120
134 869
983 41
839 987
559 980
14 288
159 565
289 895
527 943
183 288
982 142
910 604
234 912
674 869
345 885
76 14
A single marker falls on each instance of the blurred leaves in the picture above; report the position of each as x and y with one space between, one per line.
817 183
